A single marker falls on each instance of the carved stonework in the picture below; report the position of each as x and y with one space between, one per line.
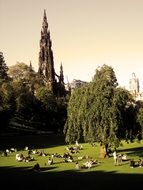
134 85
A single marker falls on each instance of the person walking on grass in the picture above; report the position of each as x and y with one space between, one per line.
115 157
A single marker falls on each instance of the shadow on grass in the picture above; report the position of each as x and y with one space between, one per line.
138 151
26 178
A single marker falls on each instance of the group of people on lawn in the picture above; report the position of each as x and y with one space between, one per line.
67 157
119 158
138 163
21 157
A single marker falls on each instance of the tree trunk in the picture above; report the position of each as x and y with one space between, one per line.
103 151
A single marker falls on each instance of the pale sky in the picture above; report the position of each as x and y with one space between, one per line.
85 34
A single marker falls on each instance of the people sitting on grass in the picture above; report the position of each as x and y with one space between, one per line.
56 155
88 164
93 144
81 157
36 167
77 166
50 161
140 163
124 157
74 149
132 163
35 151
4 153
28 158
68 159
42 153
21 157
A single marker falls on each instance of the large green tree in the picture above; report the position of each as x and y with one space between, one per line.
139 114
96 112
23 73
20 71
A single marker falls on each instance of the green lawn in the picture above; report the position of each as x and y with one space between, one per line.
62 175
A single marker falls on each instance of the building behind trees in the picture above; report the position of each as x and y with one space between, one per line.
134 87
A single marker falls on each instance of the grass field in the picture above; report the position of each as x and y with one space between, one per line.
61 175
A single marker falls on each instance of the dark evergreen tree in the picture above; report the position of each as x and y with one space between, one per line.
3 68
7 98
7 104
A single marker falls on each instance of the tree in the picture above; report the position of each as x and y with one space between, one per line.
53 109
21 73
61 114
7 104
24 103
76 115
140 119
95 112
48 107
45 96
3 68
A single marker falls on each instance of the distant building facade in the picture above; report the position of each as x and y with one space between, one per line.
134 88
76 84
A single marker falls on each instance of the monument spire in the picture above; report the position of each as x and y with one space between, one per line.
46 60
61 78
46 63
45 23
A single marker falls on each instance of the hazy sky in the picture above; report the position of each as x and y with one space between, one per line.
85 34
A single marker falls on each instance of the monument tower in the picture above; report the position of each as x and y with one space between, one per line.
46 62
